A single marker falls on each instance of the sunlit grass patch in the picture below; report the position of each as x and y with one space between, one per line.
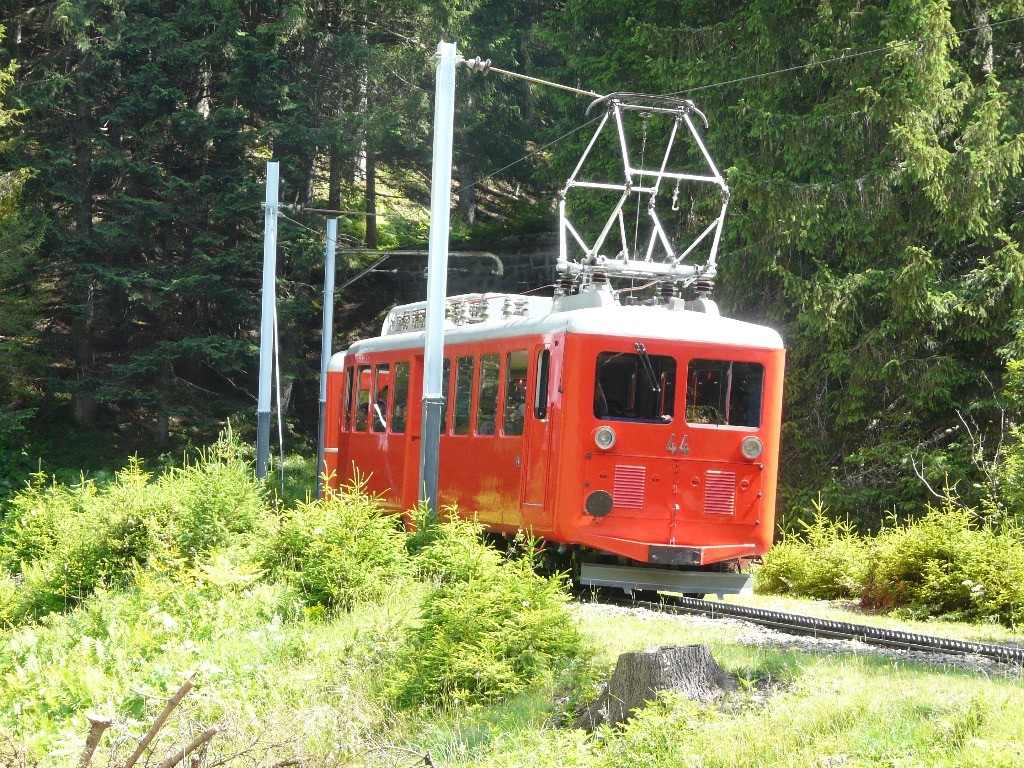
835 710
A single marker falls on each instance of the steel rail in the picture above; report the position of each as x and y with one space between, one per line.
809 625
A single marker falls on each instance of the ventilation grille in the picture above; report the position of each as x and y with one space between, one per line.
719 492
629 487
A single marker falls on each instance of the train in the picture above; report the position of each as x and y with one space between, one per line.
640 442
631 431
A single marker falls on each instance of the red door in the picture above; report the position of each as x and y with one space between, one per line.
537 456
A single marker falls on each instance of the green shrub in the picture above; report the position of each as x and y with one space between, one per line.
207 503
827 561
451 549
490 628
342 549
10 607
64 541
948 563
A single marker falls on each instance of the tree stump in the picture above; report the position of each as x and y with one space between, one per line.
687 669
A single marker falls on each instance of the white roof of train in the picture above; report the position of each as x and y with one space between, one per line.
571 314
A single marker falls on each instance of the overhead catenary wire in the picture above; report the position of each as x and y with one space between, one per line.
530 154
297 209
485 66
337 241
845 57
720 84
351 243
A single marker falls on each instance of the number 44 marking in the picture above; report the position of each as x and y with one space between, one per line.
683 448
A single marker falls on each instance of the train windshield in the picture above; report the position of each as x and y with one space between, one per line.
724 393
635 387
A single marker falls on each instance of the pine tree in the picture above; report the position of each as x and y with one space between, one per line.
146 122
20 293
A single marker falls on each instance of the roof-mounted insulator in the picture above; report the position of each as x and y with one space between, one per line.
566 286
703 287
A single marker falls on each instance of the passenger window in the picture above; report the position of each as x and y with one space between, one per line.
635 386
346 401
487 395
515 393
362 398
463 395
400 388
724 393
381 385
540 398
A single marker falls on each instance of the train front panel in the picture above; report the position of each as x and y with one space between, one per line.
670 448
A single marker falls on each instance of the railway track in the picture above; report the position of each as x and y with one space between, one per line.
807 625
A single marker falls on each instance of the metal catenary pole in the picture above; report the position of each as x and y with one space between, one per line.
437 271
267 321
325 347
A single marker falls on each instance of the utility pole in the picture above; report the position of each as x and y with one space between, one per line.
325 346
437 271
269 309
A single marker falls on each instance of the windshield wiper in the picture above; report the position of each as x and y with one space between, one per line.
645 359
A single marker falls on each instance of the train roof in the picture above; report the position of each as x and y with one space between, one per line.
484 317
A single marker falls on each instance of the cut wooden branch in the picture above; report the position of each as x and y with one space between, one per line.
199 756
98 725
161 719
185 751
639 677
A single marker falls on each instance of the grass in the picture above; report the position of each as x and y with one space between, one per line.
849 710
312 685
287 671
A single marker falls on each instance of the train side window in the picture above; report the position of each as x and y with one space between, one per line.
381 392
635 387
346 401
463 395
362 397
446 377
540 398
400 403
724 393
515 393
487 395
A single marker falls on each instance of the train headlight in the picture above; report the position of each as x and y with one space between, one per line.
751 447
599 503
604 437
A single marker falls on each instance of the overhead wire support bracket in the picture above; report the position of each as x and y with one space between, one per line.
483 66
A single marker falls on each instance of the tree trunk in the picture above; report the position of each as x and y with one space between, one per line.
371 198
638 677
335 176
987 53
162 427
467 192
84 403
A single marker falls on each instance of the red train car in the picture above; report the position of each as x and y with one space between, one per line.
642 441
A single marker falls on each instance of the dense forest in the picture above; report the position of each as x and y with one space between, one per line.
873 151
